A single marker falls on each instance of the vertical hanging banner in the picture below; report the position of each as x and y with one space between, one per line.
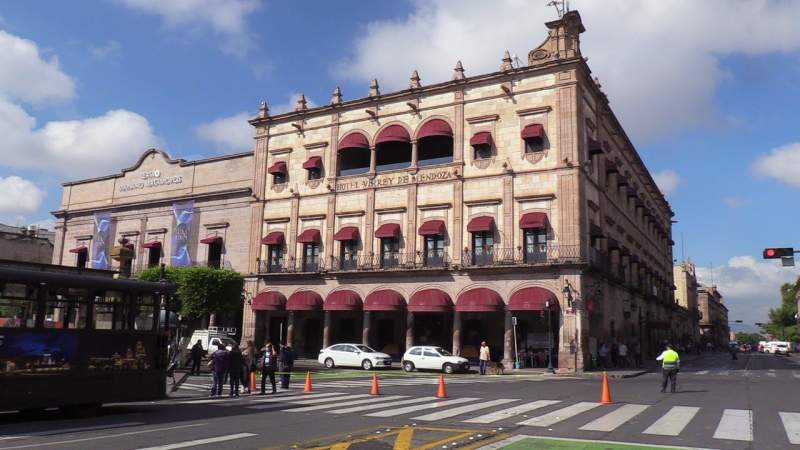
101 241
183 217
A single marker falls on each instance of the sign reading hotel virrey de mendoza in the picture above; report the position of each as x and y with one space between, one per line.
396 179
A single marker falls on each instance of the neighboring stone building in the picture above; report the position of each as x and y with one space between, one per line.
713 316
435 214
686 297
26 244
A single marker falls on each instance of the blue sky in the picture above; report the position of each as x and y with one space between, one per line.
706 90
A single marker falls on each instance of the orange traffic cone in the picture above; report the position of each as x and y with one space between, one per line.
375 388
442 393
253 381
308 389
605 396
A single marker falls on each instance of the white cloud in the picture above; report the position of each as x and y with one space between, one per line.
26 76
734 202
226 18
667 180
228 134
749 287
19 196
782 164
660 69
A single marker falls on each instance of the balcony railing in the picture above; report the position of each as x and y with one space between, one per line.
539 255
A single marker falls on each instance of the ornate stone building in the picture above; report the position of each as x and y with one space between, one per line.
714 325
688 314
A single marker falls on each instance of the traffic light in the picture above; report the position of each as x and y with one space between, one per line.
775 253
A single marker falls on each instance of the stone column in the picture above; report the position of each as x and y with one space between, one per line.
456 333
372 159
409 330
290 329
366 327
414 155
326 329
508 341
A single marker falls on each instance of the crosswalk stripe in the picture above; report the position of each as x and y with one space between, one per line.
702 372
673 422
196 442
736 424
614 419
371 407
314 401
464 409
415 408
517 410
373 399
724 373
284 396
560 414
791 423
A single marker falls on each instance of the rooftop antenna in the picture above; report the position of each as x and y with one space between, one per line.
683 253
562 7
515 61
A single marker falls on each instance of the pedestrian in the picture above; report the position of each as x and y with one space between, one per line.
670 365
637 354
269 362
219 367
603 354
249 355
286 361
623 355
197 354
236 365
483 357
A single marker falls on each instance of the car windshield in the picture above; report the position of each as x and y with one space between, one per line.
443 352
365 349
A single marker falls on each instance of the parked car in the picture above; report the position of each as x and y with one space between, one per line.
433 358
353 355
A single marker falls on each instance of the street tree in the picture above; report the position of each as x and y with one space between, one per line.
783 319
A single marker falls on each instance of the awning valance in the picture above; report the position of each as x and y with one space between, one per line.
481 138
533 131
433 228
354 140
430 300
304 301
480 300
152 244
532 299
435 127
309 236
314 162
79 249
344 300
269 301
393 133
533 220
480 223
278 167
211 240
384 300
388 230
273 238
346 234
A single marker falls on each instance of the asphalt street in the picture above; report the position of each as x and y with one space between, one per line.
750 403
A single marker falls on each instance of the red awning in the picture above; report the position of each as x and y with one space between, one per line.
79 249
533 220
354 140
480 300
304 301
481 223
533 131
388 230
278 167
152 244
481 138
211 240
433 228
393 133
435 127
346 234
269 301
595 148
344 300
384 300
274 238
309 236
532 299
314 162
430 300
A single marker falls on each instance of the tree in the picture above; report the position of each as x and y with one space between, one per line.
749 338
202 291
783 319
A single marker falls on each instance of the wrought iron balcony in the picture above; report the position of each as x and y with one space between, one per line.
537 255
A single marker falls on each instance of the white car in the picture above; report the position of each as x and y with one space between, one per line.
433 358
779 348
353 355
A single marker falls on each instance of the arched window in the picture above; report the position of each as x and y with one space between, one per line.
353 155
435 143
393 149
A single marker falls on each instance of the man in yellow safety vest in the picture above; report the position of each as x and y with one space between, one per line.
670 364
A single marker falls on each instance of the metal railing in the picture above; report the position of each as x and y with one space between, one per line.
537 255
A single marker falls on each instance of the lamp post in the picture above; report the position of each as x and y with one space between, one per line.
549 339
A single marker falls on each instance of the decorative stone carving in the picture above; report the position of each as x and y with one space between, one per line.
458 71
278 188
313 184
414 84
336 98
483 163
301 105
562 42
507 62
535 157
374 90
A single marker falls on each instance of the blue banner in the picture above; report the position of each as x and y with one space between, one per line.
101 240
183 218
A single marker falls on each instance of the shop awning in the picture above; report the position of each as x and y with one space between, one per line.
481 223
314 162
430 300
273 238
344 300
346 234
480 300
595 148
595 230
433 228
269 301
304 301
533 131
435 127
79 249
309 236
384 300
532 299
481 138
354 140
533 220
278 167
152 244
388 230
211 240
393 133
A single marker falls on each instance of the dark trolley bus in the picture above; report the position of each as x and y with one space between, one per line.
77 338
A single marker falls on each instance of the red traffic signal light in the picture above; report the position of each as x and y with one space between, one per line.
775 253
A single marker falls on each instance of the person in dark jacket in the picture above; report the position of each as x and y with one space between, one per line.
197 355
219 365
269 364
235 368
286 360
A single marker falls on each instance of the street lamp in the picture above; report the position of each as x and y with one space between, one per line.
549 339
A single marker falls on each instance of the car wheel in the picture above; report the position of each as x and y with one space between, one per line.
448 368
366 364
408 366
329 363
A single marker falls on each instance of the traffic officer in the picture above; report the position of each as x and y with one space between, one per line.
670 364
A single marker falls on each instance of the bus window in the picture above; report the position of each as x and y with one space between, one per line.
144 311
111 311
17 305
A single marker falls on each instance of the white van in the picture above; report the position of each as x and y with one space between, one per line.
211 339
779 348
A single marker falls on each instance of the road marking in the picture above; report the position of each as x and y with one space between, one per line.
515 411
105 436
312 401
371 407
560 414
673 422
736 424
795 374
593 442
415 408
109 426
791 423
702 372
724 373
614 419
293 395
185 444
373 400
464 409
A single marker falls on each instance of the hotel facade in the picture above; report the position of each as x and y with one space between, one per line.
507 207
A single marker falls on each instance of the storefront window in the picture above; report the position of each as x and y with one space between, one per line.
310 257
482 248
434 250
348 255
